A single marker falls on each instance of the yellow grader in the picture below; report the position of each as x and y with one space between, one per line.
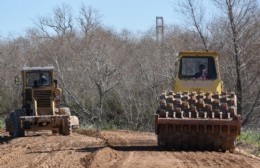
197 113
40 105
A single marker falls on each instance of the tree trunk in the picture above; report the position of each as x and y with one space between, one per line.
237 57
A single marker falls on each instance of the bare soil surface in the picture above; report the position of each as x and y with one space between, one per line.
127 149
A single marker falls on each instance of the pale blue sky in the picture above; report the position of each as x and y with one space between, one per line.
135 15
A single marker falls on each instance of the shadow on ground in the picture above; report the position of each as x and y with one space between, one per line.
5 139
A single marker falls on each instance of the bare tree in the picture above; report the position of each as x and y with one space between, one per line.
116 77
194 12
240 34
102 71
88 19
61 23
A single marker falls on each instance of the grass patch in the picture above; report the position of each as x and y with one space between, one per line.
250 137
99 126
108 126
250 142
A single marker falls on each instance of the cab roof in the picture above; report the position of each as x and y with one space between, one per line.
45 68
198 54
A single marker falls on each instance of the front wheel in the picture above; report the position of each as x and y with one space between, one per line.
66 128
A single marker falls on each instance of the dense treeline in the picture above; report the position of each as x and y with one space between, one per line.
113 79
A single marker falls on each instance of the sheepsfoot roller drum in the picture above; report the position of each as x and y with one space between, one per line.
201 121
197 114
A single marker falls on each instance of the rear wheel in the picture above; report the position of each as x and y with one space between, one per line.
15 124
8 124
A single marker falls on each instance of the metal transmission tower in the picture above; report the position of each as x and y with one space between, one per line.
159 29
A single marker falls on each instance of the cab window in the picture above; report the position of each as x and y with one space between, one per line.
197 68
36 79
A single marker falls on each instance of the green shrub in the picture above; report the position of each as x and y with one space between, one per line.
250 141
108 126
250 137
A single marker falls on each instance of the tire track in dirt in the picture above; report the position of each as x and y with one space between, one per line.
136 149
111 149
47 151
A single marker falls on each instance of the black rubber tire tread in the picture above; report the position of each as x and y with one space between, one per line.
66 128
8 124
16 130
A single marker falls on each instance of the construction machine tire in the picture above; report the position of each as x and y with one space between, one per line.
66 128
14 123
8 126
197 106
65 111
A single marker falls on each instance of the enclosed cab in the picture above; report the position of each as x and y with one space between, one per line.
38 91
40 108
190 77
197 113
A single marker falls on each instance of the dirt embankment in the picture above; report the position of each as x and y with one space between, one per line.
107 149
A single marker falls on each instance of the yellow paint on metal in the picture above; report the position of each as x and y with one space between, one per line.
190 85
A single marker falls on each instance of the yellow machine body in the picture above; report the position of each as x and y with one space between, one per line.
40 105
191 85
197 113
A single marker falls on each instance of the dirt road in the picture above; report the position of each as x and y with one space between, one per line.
125 149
